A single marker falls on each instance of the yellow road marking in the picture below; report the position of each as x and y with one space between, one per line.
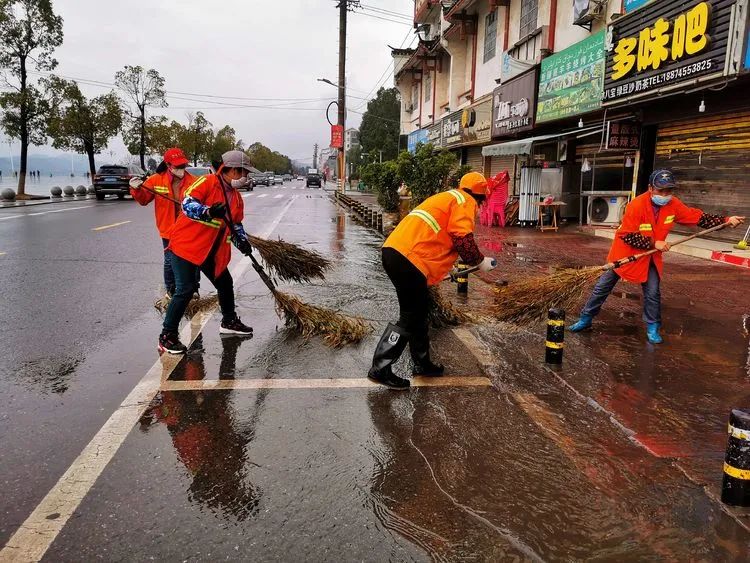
110 226
340 383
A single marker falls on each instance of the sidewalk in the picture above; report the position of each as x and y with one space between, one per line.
673 399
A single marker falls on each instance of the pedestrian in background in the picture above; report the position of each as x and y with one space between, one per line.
213 210
171 180
418 254
646 224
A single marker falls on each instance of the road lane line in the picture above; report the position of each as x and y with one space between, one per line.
21 215
277 196
34 537
111 226
3 253
333 383
262 195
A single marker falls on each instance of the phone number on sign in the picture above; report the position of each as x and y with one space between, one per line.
643 84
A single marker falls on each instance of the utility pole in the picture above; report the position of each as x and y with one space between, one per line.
315 156
343 5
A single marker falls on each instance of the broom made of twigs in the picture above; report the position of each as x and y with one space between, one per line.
335 328
194 307
286 261
529 300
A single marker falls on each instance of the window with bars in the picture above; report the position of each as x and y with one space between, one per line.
428 87
529 9
490 35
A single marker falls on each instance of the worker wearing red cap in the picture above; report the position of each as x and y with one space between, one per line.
201 240
418 254
646 224
171 180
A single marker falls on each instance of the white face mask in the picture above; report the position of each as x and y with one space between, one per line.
178 172
240 183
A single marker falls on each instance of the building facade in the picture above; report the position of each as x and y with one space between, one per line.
583 99
351 139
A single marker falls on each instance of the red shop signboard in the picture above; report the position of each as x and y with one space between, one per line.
337 136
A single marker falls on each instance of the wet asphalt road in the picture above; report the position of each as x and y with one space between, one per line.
527 469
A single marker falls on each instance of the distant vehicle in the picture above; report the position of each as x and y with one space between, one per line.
277 179
313 180
115 179
287 177
298 178
199 170
260 179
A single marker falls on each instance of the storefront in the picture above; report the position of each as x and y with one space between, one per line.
416 138
695 107
513 112
466 131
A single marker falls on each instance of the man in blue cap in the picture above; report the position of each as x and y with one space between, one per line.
648 220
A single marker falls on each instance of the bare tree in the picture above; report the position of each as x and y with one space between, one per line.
143 88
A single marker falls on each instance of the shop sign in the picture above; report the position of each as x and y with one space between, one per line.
469 126
415 138
668 43
435 135
631 5
514 105
623 135
337 136
571 82
746 64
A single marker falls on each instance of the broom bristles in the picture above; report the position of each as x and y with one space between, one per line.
335 328
289 262
442 313
194 307
529 300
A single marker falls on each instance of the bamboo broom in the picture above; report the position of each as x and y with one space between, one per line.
287 262
529 300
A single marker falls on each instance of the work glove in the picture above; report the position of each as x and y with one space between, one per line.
488 264
217 211
135 182
735 220
242 245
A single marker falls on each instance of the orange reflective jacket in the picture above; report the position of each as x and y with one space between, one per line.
193 239
424 236
639 218
166 212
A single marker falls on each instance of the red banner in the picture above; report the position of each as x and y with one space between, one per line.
337 136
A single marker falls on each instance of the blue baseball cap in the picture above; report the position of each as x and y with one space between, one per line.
662 179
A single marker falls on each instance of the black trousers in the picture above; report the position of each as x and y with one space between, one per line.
411 289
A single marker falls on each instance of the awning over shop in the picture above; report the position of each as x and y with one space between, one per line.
523 146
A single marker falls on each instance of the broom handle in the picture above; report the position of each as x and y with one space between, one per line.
258 268
622 261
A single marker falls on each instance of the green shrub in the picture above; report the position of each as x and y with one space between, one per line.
427 171
384 180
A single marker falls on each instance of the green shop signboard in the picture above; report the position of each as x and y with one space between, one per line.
572 81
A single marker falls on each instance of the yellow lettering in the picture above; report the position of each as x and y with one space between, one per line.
652 45
678 37
624 59
697 24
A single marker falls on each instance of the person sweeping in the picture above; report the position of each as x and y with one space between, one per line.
418 254
212 215
172 180
647 221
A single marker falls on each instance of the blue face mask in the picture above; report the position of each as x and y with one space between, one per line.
661 200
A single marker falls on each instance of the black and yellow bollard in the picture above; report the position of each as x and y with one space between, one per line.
735 489
462 279
553 352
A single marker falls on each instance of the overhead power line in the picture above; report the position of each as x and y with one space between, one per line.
390 13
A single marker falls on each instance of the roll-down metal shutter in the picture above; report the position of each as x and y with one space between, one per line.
475 159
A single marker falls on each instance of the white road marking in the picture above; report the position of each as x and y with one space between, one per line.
110 226
34 537
333 383
277 196
262 195
246 195
20 215
294 187
3 253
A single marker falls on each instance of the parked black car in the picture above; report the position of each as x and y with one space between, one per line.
114 179
313 181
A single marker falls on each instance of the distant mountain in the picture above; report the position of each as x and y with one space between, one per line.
57 165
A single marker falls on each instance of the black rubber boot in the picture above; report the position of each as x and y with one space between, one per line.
389 349
419 345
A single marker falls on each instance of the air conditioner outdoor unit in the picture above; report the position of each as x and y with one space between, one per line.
587 11
606 210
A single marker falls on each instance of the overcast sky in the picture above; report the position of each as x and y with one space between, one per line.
246 48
